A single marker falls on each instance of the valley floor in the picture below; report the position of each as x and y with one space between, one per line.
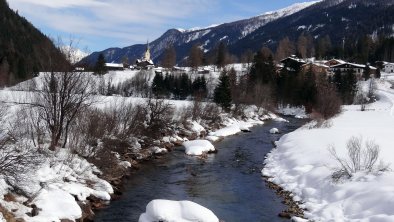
303 165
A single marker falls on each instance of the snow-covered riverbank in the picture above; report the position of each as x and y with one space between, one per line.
303 165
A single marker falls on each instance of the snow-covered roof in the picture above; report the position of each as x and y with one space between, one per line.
340 61
388 63
316 64
294 58
114 65
355 65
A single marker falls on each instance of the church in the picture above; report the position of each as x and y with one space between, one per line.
145 62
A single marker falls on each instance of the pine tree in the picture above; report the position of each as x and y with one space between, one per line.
100 67
158 85
222 55
222 94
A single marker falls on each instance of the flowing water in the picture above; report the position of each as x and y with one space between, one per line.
229 183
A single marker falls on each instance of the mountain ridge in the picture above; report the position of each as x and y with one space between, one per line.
207 37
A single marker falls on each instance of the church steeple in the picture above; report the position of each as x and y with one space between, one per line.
147 52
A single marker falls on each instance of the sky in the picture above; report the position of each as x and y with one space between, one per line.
95 25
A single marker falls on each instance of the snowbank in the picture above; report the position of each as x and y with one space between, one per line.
56 205
198 147
297 112
180 211
233 127
303 165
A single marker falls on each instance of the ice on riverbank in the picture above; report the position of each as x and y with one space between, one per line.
198 147
185 211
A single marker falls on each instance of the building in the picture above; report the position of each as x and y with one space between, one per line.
114 66
145 62
316 68
292 63
388 67
357 69
334 62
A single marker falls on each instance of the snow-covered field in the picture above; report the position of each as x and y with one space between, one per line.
303 164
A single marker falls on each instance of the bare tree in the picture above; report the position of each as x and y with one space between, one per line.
60 95
169 57
159 115
328 103
195 57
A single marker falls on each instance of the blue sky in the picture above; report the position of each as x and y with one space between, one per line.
100 24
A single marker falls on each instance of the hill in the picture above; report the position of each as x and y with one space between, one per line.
24 50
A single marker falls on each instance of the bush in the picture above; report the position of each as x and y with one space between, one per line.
358 159
328 104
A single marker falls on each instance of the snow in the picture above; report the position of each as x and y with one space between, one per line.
233 127
180 211
274 131
297 112
198 147
56 205
303 165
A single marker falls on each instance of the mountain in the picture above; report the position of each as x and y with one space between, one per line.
24 50
208 37
342 24
344 21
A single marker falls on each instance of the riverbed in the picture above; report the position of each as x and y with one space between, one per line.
229 182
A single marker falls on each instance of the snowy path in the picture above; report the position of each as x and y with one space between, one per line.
303 165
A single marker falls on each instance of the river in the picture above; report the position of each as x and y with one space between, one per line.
229 183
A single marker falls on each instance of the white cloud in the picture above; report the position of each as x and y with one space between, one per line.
125 20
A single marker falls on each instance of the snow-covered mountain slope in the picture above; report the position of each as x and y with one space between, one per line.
339 19
207 37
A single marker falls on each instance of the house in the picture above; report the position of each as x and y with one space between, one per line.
145 62
357 69
292 63
114 66
388 67
334 62
317 68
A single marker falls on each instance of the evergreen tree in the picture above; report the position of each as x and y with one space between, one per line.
158 85
308 90
199 87
100 67
184 86
222 55
367 72
222 94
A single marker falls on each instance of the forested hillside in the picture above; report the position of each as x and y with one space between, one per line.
24 50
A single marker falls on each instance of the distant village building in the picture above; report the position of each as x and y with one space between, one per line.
357 69
388 67
316 68
334 62
114 66
145 62
292 63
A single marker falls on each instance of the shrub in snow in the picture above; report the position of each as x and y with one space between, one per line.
167 210
358 159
